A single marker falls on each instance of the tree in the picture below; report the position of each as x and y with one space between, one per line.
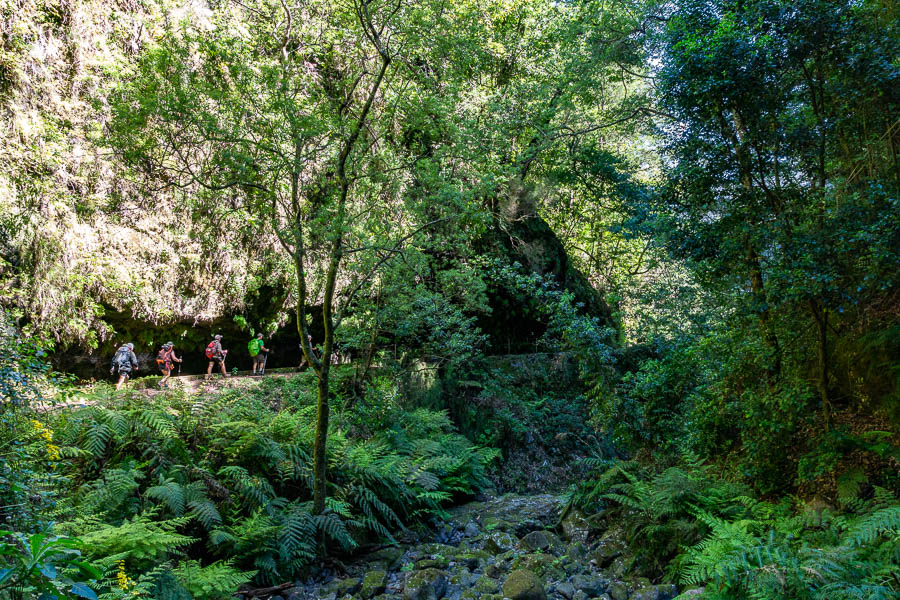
767 196
265 114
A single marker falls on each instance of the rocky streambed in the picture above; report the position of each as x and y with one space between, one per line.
514 547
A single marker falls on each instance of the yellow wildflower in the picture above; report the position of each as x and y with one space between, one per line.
125 582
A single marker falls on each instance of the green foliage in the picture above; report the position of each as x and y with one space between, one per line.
217 581
690 525
44 564
232 474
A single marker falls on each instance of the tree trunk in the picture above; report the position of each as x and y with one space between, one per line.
319 458
820 316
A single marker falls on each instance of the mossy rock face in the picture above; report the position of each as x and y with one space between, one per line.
427 584
522 584
372 584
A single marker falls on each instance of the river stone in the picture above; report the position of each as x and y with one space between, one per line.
656 592
579 595
498 542
372 584
538 563
473 558
343 587
618 591
522 584
575 526
592 585
486 585
541 540
427 584
386 558
432 563
471 529
576 551
565 589
607 551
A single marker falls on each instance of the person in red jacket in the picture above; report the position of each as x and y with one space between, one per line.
216 356
165 360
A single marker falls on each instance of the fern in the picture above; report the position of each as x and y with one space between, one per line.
217 581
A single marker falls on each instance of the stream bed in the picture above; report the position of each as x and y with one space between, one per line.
515 547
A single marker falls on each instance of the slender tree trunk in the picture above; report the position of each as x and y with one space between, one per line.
320 488
820 316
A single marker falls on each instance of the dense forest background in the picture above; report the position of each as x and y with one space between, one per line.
643 253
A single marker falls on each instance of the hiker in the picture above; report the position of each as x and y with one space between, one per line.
123 362
165 360
258 352
312 350
216 355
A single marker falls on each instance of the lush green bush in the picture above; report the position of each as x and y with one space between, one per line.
687 524
225 481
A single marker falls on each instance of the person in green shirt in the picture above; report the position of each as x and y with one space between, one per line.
258 352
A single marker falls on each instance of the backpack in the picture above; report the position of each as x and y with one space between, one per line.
162 357
253 346
211 350
121 358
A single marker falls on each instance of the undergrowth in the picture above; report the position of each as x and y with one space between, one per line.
686 524
212 492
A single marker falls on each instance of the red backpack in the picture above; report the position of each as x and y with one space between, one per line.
211 350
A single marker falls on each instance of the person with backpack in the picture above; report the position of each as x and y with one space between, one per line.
258 352
123 363
165 360
216 356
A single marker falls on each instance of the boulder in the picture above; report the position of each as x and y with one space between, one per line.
522 584
386 558
542 565
566 590
373 583
343 587
575 526
542 540
486 585
427 584
498 542
592 585
618 590
656 592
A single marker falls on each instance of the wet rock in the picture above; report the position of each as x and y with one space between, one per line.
656 592
566 590
498 542
592 585
427 584
522 584
463 578
579 595
373 583
486 585
618 591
